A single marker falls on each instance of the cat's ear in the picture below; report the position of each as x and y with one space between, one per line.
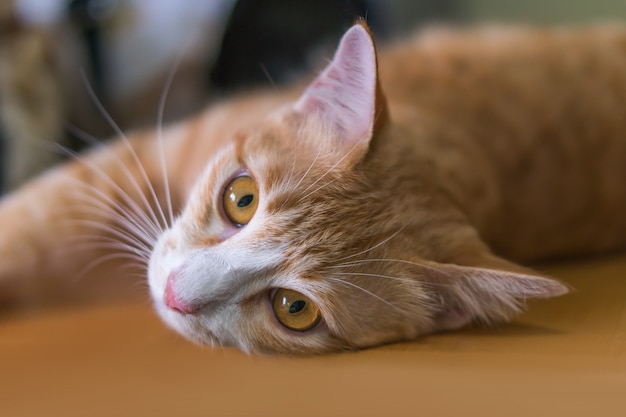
347 94
468 293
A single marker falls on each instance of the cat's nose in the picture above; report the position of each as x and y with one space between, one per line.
172 300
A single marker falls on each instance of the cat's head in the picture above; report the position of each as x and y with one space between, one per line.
308 234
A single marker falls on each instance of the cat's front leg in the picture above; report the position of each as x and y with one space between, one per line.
30 233
110 203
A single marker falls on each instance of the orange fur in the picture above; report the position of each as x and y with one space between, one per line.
487 143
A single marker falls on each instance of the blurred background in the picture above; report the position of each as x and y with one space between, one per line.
62 62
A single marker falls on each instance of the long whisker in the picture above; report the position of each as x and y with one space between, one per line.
104 259
373 247
109 241
104 206
121 234
306 173
110 244
160 115
87 138
95 242
295 187
105 177
359 274
351 284
365 261
268 76
129 227
326 184
127 144
328 171
439 271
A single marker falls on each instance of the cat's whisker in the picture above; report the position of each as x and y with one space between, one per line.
306 173
113 249
365 274
328 171
106 207
90 139
438 271
328 183
132 237
160 116
140 283
365 261
98 242
123 249
102 260
363 252
288 187
401 279
302 178
138 224
130 227
120 227
133 269
107 179
121 234
109 248
268 76
120 133
379 298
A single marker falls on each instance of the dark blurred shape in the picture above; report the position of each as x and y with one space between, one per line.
270 40
2 157
90 29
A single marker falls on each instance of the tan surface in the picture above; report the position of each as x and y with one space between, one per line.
565 357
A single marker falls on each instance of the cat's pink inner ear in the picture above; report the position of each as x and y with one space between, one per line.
344 94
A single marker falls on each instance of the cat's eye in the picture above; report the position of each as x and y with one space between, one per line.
294 310
241 199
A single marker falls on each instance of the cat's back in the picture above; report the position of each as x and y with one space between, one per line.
499 64
537 116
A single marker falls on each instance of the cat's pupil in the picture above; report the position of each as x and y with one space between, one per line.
297 306
245 200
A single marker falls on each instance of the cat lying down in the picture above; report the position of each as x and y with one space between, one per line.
375 205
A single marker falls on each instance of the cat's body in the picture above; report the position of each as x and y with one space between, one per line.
529 132
380 216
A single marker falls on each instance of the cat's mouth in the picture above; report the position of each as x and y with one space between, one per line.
193 327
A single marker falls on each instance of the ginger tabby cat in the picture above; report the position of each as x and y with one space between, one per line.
377 205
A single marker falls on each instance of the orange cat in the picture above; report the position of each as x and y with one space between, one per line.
373 207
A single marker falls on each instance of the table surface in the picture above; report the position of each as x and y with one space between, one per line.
565 356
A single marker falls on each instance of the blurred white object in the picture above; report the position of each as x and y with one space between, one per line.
141 40
40 12
158 33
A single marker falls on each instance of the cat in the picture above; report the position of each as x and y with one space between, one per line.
370 206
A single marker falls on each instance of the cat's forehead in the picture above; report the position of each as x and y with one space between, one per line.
301 180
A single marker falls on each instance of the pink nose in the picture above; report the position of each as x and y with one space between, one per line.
172 301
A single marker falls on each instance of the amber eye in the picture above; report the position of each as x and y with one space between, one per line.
241 199
295 311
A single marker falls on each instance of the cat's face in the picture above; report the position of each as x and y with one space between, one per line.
306 225
298 239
